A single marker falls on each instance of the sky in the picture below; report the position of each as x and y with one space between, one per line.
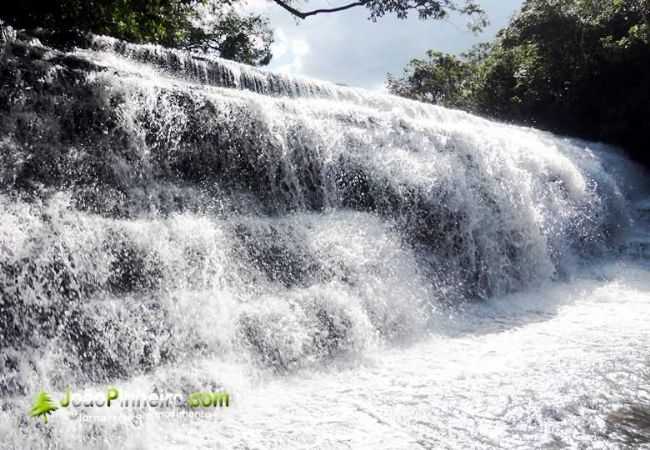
347 48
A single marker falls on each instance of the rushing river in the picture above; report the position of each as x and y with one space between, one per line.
355 270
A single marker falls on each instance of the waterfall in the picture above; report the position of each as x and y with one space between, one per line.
158 206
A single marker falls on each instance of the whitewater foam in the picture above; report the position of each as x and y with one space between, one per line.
166 218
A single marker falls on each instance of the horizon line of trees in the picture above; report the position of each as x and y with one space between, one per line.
576 67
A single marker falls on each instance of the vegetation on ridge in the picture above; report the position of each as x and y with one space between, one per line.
576 67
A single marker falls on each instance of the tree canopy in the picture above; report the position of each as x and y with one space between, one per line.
579 67
193 24
215 26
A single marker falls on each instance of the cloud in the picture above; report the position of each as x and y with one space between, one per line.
289 54
347 48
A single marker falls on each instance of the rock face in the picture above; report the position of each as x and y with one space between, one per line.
155 205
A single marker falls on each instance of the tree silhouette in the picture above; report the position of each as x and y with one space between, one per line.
43 405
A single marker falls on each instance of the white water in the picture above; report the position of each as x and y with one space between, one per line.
356 270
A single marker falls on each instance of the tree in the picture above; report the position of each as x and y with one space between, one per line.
214 26
443 79
221 30
159 21
207 25
172 23
43 405
425 9
579 67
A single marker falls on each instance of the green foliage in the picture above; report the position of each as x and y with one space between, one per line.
42 406
443 79
579 67
437 80
159 21
193 24
425 9
212 26
220 29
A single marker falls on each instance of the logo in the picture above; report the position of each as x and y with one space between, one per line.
44 405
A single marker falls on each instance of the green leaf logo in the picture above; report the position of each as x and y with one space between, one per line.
43 405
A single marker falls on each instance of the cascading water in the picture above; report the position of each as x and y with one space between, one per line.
346 264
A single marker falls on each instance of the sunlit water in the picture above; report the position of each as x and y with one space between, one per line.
356 270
